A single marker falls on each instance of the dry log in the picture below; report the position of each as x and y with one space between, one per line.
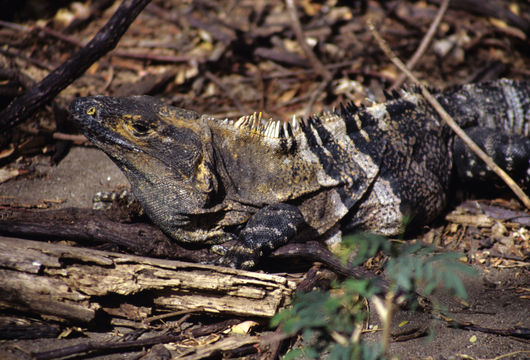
82 285
106 227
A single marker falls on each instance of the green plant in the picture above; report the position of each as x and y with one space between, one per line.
331 322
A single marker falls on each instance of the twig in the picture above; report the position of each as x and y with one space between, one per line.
411 334
105 40
516 332
315 62
172 314
15 75
35 62
72 41
59 35
316 252
219 83
105 346
423 45
151 57
59 135
297 28
70 137
449 120
385 311
510 354
91 347
14 26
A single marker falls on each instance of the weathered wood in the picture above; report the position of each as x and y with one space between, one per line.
19 327
77 284
109 345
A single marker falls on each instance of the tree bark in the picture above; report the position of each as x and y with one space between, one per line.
109 228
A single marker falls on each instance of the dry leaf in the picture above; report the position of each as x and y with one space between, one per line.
243 328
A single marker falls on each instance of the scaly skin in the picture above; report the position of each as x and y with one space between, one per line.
264 182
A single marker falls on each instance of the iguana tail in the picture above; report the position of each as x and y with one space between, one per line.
496 115
502 105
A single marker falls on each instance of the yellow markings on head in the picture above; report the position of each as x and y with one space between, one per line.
130 127
131 116
91 110
182 119
125 131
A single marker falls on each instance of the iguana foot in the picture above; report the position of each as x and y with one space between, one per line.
103 200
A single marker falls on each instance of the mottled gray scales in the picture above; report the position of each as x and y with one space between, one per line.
509 151
502 104
262 183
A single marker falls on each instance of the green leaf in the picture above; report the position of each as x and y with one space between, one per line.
323 318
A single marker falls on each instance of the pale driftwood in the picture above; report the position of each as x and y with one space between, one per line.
73 284
480 220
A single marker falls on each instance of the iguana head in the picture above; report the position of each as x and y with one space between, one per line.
164 152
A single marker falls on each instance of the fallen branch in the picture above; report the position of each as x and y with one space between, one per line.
76 285
518 332
98 347
449 120
92 228
95 228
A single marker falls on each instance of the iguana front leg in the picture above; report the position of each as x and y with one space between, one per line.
268 229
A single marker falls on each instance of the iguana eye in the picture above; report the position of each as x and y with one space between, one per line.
139 129
91 110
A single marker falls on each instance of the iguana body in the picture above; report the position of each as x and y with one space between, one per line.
263 183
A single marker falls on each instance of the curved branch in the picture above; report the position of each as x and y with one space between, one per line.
105 40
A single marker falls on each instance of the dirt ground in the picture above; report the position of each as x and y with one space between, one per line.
230 58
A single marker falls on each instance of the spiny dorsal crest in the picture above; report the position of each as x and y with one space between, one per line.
354 116
269 128
254 124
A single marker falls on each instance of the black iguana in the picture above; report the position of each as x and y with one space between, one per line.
265 182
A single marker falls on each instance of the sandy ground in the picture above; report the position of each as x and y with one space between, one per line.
74 181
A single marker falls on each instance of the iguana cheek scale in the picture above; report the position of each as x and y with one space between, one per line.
266 182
